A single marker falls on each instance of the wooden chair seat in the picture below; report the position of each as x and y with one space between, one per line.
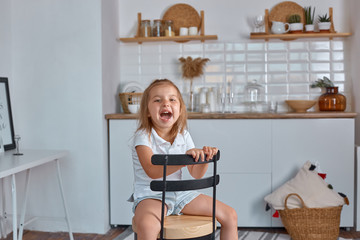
185 226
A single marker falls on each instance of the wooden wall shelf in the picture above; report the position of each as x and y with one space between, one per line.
175 38
292 36
181 39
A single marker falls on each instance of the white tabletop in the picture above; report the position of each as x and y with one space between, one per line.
11 164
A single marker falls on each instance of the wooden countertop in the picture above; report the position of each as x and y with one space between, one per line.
250 115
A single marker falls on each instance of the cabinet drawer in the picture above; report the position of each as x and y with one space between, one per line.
245 144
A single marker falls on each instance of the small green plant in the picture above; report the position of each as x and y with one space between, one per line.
309 15
295 18
324 18
322 83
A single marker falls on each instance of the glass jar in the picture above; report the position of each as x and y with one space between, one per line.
253 96
202 95
145 28
169 28
157 30
331 100
253 92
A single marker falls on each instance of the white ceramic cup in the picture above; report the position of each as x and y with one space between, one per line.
184 31
193 31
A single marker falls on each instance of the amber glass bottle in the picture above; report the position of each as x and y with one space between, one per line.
332 100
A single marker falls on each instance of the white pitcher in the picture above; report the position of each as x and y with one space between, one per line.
279 27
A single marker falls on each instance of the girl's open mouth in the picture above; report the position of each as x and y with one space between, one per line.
166 115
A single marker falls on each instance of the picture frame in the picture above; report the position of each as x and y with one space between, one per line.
6 121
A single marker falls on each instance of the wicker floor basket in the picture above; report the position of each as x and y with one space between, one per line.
129 98
311 223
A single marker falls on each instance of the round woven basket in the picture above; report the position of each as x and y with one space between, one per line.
129 98
282 11
183 15
311 223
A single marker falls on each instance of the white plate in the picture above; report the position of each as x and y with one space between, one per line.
132 87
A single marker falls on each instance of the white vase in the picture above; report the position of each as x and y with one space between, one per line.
324 26
309 27
296 27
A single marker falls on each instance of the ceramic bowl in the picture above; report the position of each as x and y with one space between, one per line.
134 108
300 106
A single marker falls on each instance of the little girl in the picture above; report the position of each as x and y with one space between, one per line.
162 123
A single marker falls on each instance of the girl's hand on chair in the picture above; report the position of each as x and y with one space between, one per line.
197 154
210 152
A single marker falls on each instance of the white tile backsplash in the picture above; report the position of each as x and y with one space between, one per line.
256 46
284 68
320 45
299 56
277 67
320 56
277 46
276 57
235 57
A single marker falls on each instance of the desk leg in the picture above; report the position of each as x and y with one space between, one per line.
13 192
63 198
23 210
3 216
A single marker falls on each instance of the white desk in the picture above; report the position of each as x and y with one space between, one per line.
11 164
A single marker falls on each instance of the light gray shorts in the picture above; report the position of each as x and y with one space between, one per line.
175 201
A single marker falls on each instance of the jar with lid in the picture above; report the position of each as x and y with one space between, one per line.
145 28
253 95
169 28
157 30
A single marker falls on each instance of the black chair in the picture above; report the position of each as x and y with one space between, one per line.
185 226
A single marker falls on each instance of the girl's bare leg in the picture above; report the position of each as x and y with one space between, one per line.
148 219
226 215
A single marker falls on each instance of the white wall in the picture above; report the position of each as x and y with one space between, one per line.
355 59
5 39
57 104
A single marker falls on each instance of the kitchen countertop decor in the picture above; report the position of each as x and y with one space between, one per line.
307 115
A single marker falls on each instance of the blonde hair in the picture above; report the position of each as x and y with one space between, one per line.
145 122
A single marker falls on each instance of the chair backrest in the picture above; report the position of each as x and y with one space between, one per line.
184 185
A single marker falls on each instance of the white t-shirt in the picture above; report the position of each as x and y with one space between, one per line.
181 144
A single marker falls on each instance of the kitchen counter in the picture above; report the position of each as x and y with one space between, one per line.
290 115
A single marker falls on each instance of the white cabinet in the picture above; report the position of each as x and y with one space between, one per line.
327 141
257 156
120 170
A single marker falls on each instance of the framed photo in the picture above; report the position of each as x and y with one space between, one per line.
6 122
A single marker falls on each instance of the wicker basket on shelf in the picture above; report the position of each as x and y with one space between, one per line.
129 98
311 223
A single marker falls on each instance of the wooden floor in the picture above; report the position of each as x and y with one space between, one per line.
112 233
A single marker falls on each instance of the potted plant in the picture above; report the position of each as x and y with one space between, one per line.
296 26
331 100
324 23
309 19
